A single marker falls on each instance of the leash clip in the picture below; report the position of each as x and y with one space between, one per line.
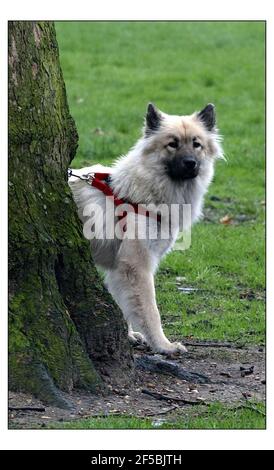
89 177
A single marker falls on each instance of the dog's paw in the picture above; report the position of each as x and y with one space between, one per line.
172 349
136 338
179 348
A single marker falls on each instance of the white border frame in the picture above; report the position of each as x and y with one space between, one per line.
135 439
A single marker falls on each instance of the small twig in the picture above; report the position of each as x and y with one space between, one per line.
159 396
214 345
27 408
246 371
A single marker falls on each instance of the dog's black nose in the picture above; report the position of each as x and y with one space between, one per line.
182 167
189 163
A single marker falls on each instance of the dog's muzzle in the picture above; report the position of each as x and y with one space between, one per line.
182 168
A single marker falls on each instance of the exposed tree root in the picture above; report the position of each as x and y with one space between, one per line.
158 365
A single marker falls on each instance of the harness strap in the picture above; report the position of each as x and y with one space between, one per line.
97 180
98 183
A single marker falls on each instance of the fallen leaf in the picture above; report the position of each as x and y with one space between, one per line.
226 220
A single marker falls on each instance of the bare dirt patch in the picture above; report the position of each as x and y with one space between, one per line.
231 375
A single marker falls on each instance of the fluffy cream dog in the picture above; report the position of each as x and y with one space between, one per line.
171 164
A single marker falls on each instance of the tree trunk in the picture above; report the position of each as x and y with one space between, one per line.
65 331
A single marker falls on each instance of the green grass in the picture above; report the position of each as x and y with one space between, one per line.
111 71
224 263
215 416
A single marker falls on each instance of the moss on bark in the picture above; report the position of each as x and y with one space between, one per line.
65 331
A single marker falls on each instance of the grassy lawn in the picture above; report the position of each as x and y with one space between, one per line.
216 416
111 71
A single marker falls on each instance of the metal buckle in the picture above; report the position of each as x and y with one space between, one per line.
89 177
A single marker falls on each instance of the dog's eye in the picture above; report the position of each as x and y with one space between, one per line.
196 144
174 144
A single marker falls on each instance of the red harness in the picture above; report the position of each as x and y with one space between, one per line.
98 181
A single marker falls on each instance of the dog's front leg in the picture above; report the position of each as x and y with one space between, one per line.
132 286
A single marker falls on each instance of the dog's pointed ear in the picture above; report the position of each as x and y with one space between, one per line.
208 116
153 119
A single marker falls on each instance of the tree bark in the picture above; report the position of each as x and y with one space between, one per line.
65 331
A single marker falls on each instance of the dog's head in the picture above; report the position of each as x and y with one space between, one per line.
184 145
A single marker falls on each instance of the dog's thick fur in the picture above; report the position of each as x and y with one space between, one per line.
158 170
